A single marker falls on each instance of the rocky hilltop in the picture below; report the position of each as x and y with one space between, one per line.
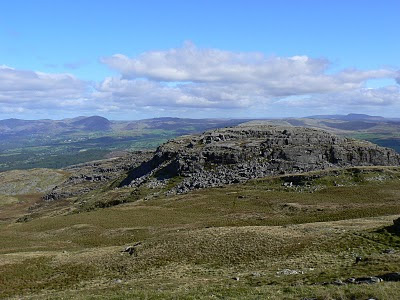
237 154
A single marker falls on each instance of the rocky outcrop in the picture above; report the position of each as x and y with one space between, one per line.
93 175
237 154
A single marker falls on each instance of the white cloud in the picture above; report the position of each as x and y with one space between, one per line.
224 79
141 93
192 64
189 78
364 97
20 85
277 75
5 109
21 89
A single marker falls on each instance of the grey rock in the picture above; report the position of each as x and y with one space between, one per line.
395 276
289 272
351 280
368 280
237 154
389 251
132 249
338 282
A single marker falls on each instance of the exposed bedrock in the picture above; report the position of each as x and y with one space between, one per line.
236 154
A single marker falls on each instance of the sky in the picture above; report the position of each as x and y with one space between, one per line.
133 59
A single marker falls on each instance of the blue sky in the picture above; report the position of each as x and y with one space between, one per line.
140 59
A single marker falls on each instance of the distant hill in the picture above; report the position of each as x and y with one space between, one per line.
28 127
17 127
97 123
12 123
182 125
340 124
53 127
349 117
94 123
351 125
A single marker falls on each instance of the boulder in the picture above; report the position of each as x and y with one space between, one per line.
390 276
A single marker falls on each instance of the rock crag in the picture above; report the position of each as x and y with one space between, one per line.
94 175
237 154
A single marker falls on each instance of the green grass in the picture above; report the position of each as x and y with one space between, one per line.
194 244
6 200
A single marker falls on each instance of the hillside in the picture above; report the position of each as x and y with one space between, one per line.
20 190
265 238
94 123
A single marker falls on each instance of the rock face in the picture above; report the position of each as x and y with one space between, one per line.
236 154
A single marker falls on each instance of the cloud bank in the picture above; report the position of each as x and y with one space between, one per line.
192 78
22 90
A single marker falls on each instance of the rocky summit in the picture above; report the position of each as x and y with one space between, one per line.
237 154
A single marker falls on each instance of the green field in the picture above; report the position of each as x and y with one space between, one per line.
61 151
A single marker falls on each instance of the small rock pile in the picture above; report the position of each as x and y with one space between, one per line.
395 276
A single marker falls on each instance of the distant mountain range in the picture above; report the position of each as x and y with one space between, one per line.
59 143
340 124
28 127
101 124
350 117
82 124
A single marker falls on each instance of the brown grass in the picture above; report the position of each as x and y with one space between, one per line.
194 244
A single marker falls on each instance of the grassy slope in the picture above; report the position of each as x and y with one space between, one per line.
194 244
20 189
